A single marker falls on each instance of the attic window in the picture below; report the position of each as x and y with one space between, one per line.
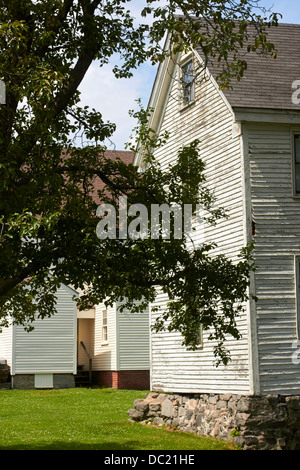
187 77
297 164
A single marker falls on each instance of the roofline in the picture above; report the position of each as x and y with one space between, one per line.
160 88
214 82
270 115
69 288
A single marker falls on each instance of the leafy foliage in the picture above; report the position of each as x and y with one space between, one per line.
47 211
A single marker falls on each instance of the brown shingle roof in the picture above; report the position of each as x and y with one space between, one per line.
267 82
125 156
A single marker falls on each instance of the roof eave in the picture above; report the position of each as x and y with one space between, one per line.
267 115
159 94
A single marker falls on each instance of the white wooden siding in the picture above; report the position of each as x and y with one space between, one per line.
6 344
133 340
209 120
51 346
277 218
127 347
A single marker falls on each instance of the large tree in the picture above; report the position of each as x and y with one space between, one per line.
47 213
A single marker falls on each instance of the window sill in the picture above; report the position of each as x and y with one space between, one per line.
185 107
199 346
105 344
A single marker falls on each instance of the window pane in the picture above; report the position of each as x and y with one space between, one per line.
298 296
198 335
297 148
104 326
188 72
297 178
104 334
188 81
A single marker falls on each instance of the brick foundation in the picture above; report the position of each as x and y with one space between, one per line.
124 379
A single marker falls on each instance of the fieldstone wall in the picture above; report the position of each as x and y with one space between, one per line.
250 422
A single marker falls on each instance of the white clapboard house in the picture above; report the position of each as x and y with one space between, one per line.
101 346
114 345
250 142
45 357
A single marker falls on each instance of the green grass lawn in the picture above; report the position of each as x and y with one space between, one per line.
84 419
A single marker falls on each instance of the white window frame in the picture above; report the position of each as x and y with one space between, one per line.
186 103
104 327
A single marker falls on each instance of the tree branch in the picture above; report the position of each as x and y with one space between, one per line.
8 284
76 77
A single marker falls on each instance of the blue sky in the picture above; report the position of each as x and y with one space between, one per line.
290 9
115 97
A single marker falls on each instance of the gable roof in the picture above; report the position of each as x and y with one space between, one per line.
267 82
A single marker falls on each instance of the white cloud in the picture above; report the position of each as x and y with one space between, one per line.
115 97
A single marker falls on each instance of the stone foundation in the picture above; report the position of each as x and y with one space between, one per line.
250 422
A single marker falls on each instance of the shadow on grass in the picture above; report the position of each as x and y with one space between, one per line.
57 445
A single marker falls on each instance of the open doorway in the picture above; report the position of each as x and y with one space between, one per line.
85 347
